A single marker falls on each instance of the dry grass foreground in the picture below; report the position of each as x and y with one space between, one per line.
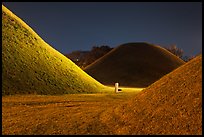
134 65
30 65
63 114
172 105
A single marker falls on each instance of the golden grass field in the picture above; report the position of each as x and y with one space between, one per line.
63 114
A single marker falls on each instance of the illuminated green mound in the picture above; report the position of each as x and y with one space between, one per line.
30 65
134 65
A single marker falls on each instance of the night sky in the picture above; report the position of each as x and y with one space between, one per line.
73 26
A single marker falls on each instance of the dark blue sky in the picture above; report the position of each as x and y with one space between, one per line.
69 26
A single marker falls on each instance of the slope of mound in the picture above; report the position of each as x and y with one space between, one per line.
133 65
172 105
30 65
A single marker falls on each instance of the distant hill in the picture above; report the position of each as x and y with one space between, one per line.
30 65
133 65
172 105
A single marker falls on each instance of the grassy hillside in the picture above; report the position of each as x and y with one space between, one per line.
172 105
133 65
30 65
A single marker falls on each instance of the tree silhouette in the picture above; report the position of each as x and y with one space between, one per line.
179 53
175 50
84 58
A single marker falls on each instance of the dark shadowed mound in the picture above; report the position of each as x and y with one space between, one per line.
172 105
134 65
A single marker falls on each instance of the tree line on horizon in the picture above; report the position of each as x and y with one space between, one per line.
85 58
